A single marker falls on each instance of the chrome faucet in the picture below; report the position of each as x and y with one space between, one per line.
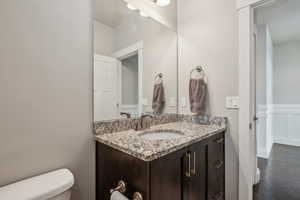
141 125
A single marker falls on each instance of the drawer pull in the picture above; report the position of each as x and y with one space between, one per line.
194 167
219 164
219 141
188 173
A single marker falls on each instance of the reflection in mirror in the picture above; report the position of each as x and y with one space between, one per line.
135 58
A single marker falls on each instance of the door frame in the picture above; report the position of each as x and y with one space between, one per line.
246 64
131 50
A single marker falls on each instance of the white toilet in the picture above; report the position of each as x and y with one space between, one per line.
54 185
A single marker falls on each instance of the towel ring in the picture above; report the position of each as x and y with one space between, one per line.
158 77
199 69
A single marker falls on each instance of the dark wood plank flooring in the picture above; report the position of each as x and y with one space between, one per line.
280 175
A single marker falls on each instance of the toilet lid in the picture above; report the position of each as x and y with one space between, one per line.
40 187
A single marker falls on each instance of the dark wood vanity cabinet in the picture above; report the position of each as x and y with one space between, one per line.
216 169
196 172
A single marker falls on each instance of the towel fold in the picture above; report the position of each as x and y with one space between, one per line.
198 93
158 101
117 196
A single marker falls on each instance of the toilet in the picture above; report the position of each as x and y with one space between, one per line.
54 185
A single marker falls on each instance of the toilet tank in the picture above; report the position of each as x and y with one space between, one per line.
52 185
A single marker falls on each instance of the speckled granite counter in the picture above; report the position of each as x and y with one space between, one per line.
130 142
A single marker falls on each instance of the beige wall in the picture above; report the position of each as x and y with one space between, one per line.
103 39
208 36
46 91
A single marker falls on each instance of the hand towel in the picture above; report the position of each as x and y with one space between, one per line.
198 93
158 101
117 196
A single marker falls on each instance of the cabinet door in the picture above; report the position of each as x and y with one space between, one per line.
195 172
216 168
166 177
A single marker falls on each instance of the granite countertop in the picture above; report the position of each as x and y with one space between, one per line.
131 143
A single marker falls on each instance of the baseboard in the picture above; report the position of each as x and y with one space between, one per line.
287 141
263 153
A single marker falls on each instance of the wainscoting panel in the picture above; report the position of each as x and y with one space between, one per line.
286 124
263 149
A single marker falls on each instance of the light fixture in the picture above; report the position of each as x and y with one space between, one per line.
143 14
163 3
131 7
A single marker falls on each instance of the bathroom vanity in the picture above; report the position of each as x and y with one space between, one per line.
187 167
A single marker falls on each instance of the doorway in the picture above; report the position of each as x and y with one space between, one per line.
130 62
129 87
277 71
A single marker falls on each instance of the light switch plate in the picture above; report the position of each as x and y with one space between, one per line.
233 102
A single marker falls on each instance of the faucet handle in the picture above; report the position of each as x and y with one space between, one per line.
137 125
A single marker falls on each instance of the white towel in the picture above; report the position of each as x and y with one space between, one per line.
117 196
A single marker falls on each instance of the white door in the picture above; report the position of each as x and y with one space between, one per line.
105 88
254 108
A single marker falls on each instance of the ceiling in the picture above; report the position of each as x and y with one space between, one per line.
283 19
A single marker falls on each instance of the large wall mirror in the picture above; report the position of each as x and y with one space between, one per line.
135 58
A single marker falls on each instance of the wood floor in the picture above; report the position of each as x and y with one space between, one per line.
280 175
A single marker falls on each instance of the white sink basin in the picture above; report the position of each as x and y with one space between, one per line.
161 135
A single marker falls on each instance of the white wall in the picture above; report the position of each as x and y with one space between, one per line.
287 73
103 39
286 107
46 91
208 36
261 72
286 124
